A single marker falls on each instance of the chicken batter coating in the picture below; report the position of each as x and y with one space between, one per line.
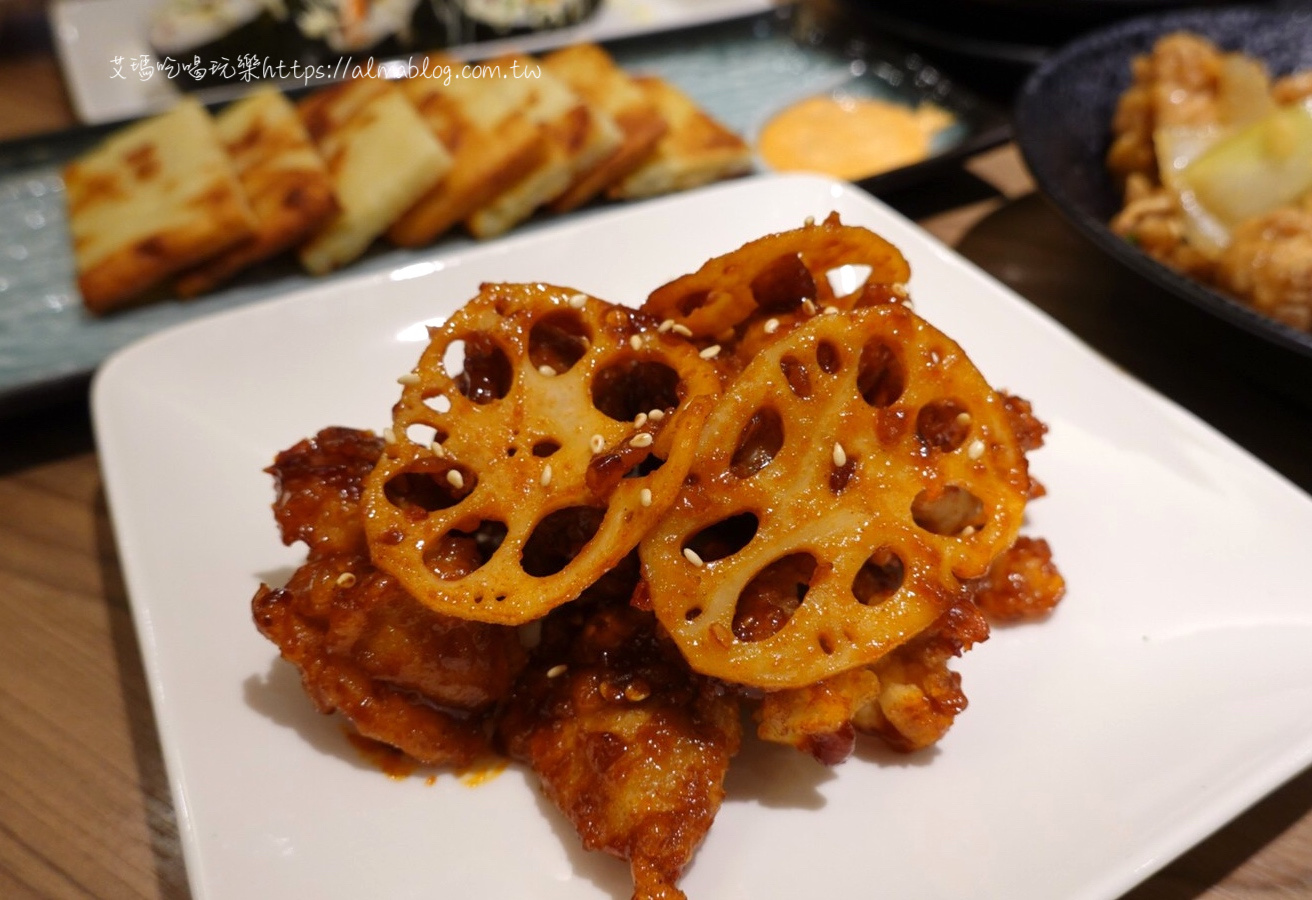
630 744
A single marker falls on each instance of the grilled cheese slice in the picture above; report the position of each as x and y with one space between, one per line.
493 143
381 157
154 199
284 180
577 138
695 151
590 72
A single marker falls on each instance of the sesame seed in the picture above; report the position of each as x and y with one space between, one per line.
389 436
656 415
682 329
722 635
976 449
557 671
577 300
665 326
640 420
771 326
968 531
710 352
598 443
455 479
831 310
346 580
546 475
635 342
900 290
546 370
438 450
808 307
809 222
692 557
644 496
408 378
840 455
963 418
637 692
641 440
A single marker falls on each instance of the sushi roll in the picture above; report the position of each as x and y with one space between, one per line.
489 19
219 32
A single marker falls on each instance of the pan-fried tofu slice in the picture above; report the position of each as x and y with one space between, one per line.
154 199
591 73
284 179
382 158
493 144
695 151
578 137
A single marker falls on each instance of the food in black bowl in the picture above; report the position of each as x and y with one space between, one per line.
1211 123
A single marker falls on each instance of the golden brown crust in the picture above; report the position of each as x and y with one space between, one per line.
284 180
595 77
491 151
153 200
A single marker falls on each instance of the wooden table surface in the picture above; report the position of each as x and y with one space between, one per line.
85 809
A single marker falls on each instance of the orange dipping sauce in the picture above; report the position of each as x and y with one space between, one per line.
849 137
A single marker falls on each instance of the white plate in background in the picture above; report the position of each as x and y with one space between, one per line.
90 34
1170 690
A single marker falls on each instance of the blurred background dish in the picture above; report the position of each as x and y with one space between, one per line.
91 35
1063 123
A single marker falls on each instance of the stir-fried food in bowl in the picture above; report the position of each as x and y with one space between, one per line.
1215 161
593 538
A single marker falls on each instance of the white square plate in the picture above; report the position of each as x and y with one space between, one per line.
1171 689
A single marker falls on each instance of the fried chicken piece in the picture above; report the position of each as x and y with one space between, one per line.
919 696
319 481
1152 219
1268 264
817 719
628 742
382 710
399 672
1178 83
1023 583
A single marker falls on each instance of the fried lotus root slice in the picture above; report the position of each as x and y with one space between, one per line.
539 453
855 473
782 277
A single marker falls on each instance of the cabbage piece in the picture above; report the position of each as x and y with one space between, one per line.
1256 169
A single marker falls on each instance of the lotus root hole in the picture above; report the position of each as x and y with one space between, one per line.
558 538
949 511
724 538
828 358
624 389
881 377
430 486
798 378
845 281
783 284
421 434
453 359
879 578
943 425
557 341
772 596
692 302
487 374
693 614
546 448
827 643
439 403
460 553
758 443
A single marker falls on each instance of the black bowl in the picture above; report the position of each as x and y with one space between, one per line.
1063 126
